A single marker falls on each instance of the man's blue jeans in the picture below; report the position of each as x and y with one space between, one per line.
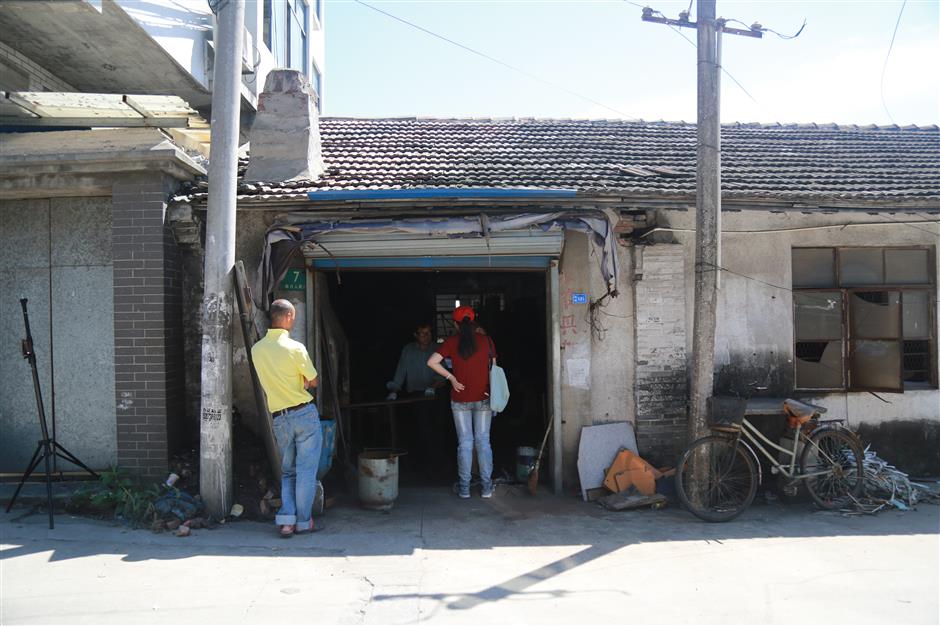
300 441
472 420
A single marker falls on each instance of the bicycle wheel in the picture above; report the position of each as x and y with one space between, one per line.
838 458
716 479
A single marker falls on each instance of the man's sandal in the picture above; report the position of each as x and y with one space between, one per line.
286 531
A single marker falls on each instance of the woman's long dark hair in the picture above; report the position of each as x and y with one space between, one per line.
468 339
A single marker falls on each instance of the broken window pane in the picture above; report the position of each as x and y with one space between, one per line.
875 314
916 315
818 365
875 364
861 266
906 267
814 267
818 315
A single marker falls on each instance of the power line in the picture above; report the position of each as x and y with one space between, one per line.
764 29
694 45
497 61
887 56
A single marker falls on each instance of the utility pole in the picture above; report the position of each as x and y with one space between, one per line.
215 432
707 200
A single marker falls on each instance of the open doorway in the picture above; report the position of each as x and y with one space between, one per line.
379 312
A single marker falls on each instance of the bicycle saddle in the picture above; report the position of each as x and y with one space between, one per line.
802 409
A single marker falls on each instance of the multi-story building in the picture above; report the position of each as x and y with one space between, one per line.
155 47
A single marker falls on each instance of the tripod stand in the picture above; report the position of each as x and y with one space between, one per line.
48 448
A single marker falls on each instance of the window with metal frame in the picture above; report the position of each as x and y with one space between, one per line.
297 45
864 318
284 29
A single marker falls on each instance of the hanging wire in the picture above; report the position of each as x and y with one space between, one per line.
884 68
756 26
498 61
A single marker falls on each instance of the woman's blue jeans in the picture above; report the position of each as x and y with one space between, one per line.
300 440
472 420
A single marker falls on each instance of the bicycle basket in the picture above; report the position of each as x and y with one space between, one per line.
726 413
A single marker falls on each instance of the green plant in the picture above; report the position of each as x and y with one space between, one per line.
119 493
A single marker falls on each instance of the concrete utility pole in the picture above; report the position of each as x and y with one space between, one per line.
215 434
707 201
707 217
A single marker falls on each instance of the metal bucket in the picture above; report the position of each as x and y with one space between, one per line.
378 480
525 462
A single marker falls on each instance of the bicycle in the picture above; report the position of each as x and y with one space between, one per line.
717 476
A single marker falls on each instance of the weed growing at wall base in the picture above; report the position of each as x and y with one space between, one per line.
119 495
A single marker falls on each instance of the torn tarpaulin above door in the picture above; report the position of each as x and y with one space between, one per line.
302 228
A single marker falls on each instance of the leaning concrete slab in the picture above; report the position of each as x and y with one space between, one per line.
598 447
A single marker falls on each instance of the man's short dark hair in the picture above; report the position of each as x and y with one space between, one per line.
280 310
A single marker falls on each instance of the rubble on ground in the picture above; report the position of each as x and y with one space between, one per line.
888 487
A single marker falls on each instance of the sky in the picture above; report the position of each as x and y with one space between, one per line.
618 66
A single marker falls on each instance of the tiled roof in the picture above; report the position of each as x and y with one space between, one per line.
789 162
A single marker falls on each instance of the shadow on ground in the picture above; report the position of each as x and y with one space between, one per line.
432 519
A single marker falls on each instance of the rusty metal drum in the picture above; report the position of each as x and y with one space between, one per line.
378 480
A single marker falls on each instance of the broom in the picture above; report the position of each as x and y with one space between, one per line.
534 474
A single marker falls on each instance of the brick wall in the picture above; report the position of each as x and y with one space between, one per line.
661 374
147 326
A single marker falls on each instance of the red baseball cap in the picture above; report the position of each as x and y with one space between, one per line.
464 312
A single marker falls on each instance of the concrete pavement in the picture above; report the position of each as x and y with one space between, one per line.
513 559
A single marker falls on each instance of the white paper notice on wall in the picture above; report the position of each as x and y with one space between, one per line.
578 372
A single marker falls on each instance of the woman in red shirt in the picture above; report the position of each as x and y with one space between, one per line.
471 354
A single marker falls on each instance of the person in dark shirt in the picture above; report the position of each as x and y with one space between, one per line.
413 379
411 374
471 354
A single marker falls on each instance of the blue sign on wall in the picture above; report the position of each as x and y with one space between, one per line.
579 298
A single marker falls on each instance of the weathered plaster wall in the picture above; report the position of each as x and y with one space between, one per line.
597 364
754 337
613 349
57 253
574 277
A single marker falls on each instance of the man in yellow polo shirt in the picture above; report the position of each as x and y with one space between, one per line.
286 372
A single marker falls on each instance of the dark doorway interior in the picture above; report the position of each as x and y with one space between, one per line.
379 311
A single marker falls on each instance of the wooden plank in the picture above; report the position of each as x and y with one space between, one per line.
97 122
251 336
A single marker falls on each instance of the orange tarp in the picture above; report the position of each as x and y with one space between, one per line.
628 470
